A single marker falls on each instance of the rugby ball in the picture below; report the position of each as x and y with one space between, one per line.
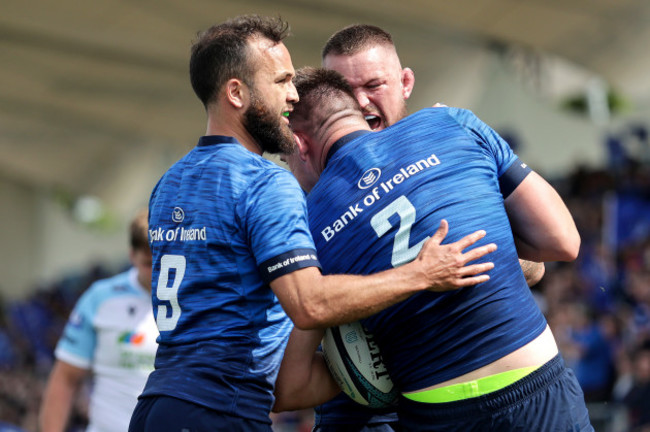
355 361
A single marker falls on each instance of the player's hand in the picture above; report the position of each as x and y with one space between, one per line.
439 105
446 265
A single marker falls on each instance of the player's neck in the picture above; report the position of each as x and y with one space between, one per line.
337 131
230 124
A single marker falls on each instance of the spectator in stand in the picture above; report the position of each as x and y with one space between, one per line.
637 401
594 356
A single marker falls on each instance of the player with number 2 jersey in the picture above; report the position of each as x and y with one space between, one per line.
376 201
372 209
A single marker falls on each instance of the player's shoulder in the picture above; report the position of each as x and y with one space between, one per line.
464 118
105 289
461 115
252 167
267 173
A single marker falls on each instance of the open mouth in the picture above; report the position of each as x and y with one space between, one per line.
373 121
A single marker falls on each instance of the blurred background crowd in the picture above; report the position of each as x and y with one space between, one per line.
598 306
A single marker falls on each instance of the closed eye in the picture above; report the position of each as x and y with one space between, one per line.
285 79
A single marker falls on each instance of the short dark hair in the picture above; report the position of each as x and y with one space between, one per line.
139 231
354 38
222 52
319 87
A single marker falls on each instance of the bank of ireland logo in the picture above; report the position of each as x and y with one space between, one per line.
369 178
178 215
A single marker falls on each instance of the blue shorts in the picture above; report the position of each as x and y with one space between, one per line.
548 399
168 414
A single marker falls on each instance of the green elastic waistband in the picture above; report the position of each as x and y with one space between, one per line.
470 389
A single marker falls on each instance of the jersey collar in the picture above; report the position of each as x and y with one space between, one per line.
216 139
342 141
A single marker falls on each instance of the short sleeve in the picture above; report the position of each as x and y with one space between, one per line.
77 345
510 169
275 218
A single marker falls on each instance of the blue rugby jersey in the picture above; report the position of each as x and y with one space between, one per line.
224 222
381 195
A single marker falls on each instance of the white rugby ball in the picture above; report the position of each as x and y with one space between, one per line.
355 361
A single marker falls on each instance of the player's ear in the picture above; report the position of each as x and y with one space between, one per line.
301 145
237 93
408 81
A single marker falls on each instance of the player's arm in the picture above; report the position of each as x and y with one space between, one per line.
316 301
59 396
304 381
544 227
533 271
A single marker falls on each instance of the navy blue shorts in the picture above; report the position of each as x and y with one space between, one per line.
382 427
549 399
168 414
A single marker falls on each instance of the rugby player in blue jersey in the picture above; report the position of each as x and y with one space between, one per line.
483 357
366 56
234 263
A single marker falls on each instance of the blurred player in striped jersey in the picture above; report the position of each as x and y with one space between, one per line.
111 335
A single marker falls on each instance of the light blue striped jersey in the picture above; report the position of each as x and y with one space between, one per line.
111 331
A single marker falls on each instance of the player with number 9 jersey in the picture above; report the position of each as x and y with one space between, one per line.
224 222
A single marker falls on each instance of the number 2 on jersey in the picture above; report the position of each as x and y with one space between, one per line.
169 293
402 253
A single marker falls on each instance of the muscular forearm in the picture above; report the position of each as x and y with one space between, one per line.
304 380
56 407
316 301
58 399
543 225
346 298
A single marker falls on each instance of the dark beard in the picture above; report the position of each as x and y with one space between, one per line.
268 131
